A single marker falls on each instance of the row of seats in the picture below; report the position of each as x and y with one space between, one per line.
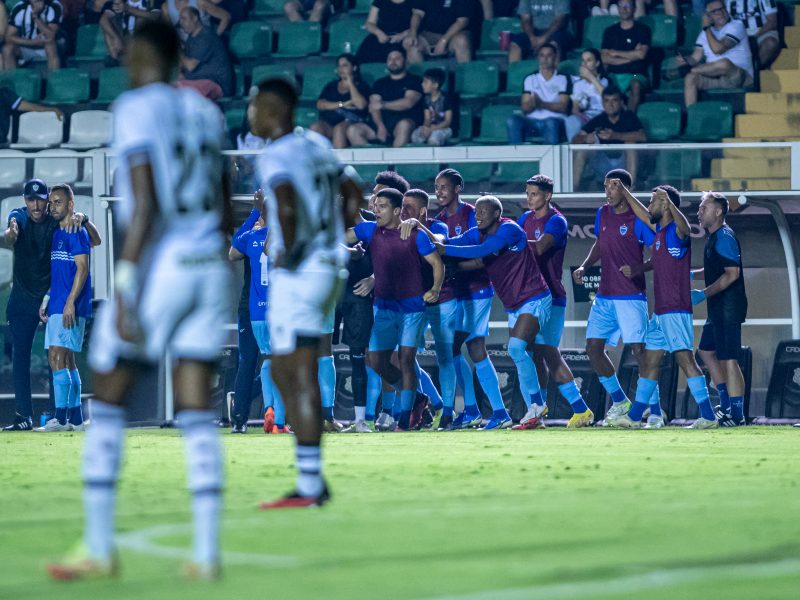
87 129
67 86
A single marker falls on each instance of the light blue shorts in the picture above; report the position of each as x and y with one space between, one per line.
393 328
472 317
550 331
261 333
609 318
442 319
538 307
670 332
55 334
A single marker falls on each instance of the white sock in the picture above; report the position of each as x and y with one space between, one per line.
361 413
102 451
204 461
309 470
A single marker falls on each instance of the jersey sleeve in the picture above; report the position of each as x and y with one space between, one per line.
522 218
597 223
557 227
79 242
240 240
676 246
365 230
643 232
439 228
424 244
471 222
728 249
493 243
736 30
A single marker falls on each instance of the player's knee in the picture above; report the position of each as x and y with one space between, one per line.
517 349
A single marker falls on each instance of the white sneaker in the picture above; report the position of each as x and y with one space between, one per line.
358 427
654 422
81 427
702 423
54 425
385 422
617 410
623 421
534 412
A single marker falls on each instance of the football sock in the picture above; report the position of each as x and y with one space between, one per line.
697 386
102 453
724 398
387 402
447 379
737 408
309 470
611 384
406 401
373 393
61 384
204 462
465 382
425 385
487 377
500 414
572 394
526 370
358 378
361 413
644 391
267 385
280 408
327 383
75 415
655 403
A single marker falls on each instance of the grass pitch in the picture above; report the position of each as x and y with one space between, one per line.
473 515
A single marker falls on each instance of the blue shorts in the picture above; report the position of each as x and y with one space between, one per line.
442 319
671 332
261 333
609 318
393 328
472 317
538 307
55 334
724 339
550 331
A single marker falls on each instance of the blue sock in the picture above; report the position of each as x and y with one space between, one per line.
487 377
280 410
697 386
724 398
425 385
397 406
327 383
526 369
465 382
737 408
406 400
447 381
373 393
447 411
61 384
75 415
572 394
611 384
644 390
387 401
655 403
267 385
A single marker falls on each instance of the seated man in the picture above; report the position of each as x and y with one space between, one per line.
119 19
205 65
307 10
615 125
395 106
439 28
31 33
624 52
760 18
542 21
545 102
723 44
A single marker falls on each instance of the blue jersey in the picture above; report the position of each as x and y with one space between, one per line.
66 246
251 244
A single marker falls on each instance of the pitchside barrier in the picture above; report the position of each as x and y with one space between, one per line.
783 394
688 406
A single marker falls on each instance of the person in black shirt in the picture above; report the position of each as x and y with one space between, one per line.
437 127
388 23
205 60
624 51
342 102
395 106
438 28
10 101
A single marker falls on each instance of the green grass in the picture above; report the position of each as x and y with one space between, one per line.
431 515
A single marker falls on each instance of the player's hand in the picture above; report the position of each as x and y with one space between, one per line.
698 296
127 322
364 287
626 270
407 228
431 296
43 315
75 222
12 233
357 252
577 275
258 200
68 315
440 248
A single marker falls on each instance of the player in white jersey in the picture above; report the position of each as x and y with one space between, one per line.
302 182
172 292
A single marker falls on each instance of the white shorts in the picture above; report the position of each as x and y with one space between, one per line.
28 54
186 299
301 300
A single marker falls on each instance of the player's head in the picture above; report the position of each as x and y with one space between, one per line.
488 210
712 210
396 60
62 201
153 53
614 196
388 204
35 195
717 12
274 108
658 207
388 179
448 185
613 100
415 204
539 190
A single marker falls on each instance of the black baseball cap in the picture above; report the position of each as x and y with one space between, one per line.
35 188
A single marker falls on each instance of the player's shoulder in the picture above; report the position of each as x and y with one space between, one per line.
557 217
522 219
436 226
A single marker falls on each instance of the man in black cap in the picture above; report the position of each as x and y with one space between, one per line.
30 234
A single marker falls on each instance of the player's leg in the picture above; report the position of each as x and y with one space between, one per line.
245 374
23 320
327 377
74 409
645 387
443 323
464 379
707 351
411 328
476 321
729 346
601 328
524 325
62 382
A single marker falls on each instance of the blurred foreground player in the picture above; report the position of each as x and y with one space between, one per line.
174 210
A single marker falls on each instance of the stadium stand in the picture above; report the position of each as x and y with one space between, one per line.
89 129
39 130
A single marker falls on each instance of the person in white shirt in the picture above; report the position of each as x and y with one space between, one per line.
724 46
760 18
587 92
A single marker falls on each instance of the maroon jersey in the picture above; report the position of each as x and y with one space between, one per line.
465 284
672 262
620 239
551 263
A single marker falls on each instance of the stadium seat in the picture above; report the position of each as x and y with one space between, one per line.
593 29
39 130
238 84
661 120
418 173
490 35
234 117
27 83
299 39
360 7
63 168
371 72
304 117
345 35
111 83
570 66
517 72
89 129
477 79
85 205
262 72
493 124
6 267
90 44
664 29
516 172
314 79
12 171
708 121
67 86
474 172
677 166
267 8
692 26
251 39
464 125
10 203
368 171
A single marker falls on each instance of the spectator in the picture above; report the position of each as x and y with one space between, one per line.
171 11
436 129
624 51
342 102
394 106
724 46
438 28
205 65
388 24
31 33
118 20
11 101
760 18
603 8
542 21
237 9
587 92
615 125
307 10
545 101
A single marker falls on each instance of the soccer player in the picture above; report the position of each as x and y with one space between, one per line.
546 229
174 210
721 340
670 328
400 295
620 307
302 182
502 248
474 301
70 304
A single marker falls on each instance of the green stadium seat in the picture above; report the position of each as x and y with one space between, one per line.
304 117
474 171
570 66
251 39
661 120
593 29
267 8
90 44
417 173
111 83
516 172
477 79
664 29
262 72
464 124
371 72
517 72
299 39
368 171
360 7
27 83
677 166
490 35
493 124
234 117
708 121
67 86
315 78
692 26
345 35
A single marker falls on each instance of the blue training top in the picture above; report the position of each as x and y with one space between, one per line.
66 246
251 244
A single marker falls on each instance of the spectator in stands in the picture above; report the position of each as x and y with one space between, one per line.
395 106
436 128
237 9
31 33
603 8
118 21
615 125
209 13
542 21
10 101
545 101
205 65
760 18
724 46
315 11
388 24
439 28
342 102
587 92
624 50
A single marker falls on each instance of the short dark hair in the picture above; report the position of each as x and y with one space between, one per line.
550 45
543 182
420 195
707 2
162 36
437 76
613 90
280 87
720 199
622 175
453 176
396 48
65 188
395 197
193 11
392 179
673 193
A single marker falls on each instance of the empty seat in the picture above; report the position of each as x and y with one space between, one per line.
517 72
593 29
304 117
570 66
251 39
111 83
27 83
12 170
474 172
262 72
493 124
39 130
516 172
90 44
692 26
299 39
314 79
89 129
234 117
6 267
664 29
677 167
371 72
477 79
67 86
10 203
708 121
464 124
490 35
360 7
56 169
661 120
267 8
345 35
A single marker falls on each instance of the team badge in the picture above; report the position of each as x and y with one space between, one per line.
537 234
60 244
623 229
658 244
458 229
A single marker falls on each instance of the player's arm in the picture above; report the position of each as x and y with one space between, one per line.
543 244
631 272
351 196
492 244
435 261
682 227
234 254
11 233
81 273
591 259
351 237
728 278
639 209
286 200
409 226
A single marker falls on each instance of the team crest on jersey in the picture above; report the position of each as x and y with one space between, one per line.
458 229
623 229
60 244
658 244
537 234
